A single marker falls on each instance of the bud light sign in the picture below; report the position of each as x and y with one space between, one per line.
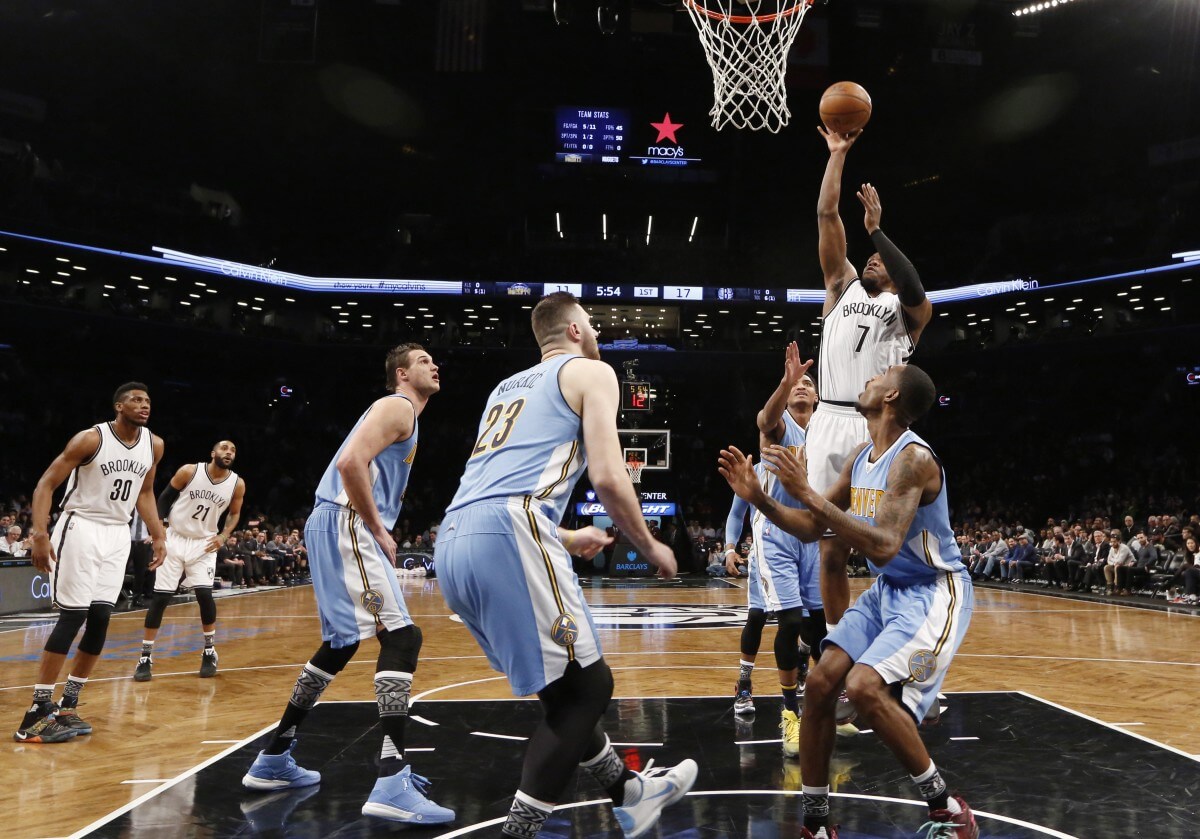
595 508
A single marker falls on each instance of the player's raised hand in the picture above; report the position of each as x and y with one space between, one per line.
869 197
792 469
585 542
42 552
839 142
738 471
793 368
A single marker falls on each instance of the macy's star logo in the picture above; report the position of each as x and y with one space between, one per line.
666 129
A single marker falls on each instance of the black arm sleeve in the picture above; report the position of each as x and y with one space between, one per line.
165 499
902 272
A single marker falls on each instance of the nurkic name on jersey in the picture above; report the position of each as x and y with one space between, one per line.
862 336
104 488
929 548
201 504
389 471
529 442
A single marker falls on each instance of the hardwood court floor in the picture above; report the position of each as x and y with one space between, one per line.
1121 666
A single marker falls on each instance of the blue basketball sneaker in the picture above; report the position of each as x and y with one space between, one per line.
658 788
271 772
402 798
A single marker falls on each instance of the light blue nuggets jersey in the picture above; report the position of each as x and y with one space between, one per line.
793 438
389 474
529 442
929 548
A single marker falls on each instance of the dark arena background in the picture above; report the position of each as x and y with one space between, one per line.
245 203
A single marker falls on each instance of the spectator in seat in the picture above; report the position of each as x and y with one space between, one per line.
1055 561
1131 577
1074 560
1119 555
11 543
1093 572
1191 571
992 556
230 564
1022 561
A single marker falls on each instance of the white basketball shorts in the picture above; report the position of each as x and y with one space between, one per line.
188 560
91 562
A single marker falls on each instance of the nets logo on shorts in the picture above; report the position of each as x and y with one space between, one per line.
372 601
922 665
564 631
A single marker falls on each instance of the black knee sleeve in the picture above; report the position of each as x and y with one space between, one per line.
333 660
813 632
756 619
790 622
65 629
96 630
158 605
586 690
208 606
398 649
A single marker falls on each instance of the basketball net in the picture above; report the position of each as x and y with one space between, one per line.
634 468
747 50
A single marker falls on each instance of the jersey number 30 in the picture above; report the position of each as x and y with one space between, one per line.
509 412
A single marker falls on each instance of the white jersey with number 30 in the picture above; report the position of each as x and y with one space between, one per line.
201 504
104 488
862 337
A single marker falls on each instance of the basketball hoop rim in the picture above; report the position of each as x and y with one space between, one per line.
746 20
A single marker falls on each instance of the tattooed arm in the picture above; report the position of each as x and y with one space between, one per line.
913 476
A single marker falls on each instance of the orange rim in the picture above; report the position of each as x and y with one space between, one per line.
746 19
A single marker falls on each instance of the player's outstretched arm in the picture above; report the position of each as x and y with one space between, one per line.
147 508
734 523
591 387
770 418
389 421
82 446
831 241
917 307
738 470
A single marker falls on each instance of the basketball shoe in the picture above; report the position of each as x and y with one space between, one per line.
657 788
943 824
208 663
846 714
142 672
790 724
402 798
41 726
69 718
743 703
271 772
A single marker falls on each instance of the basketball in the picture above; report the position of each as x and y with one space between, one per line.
845 106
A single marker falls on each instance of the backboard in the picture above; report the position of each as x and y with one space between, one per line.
652 446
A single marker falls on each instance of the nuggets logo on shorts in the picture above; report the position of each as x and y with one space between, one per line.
372 601
564 630
921 665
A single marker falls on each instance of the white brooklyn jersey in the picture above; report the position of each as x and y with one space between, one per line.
201 504
104 488
862 336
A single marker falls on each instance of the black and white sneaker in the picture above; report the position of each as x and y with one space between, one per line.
142 672
208 663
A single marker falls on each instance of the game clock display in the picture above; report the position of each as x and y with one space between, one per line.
635 396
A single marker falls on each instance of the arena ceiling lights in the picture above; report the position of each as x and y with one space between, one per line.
1036 8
